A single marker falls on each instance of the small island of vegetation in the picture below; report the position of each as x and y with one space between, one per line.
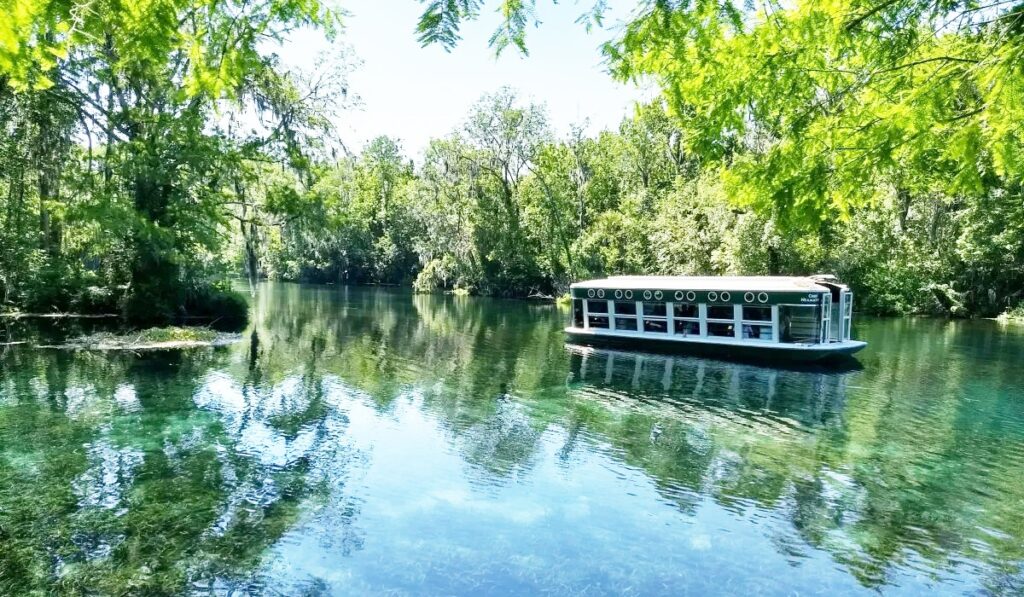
164 338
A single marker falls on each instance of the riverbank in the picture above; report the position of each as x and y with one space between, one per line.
1015 315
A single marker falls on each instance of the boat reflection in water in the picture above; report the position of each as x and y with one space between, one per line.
808 395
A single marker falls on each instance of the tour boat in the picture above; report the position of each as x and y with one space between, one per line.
770 317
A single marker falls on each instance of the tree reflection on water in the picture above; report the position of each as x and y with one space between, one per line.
211 469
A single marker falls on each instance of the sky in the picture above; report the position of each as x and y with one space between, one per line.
415 94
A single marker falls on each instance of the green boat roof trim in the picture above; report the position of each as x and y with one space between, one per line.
762 290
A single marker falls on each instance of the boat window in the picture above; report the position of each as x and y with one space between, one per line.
757 332
598 322
835 324
658 326
625 308
752 313
626 323
799 323
720 312
577 313
687 328
597 306
655 317
655 309
720 329
686 310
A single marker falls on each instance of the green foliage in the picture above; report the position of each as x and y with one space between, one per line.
219 303
817 108
122 170
442 19
148 337
177 334
878 140
352 223
504 208
867 140
1016 314
217 43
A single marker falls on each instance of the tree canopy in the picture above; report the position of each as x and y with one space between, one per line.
815 108
215 44
149 153
122 141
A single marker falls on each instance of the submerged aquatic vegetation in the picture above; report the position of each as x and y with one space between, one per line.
373 441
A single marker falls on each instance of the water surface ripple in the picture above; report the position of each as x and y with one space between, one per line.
364 441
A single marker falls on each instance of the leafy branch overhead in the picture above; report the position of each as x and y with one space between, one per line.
442 20
217 41
816 108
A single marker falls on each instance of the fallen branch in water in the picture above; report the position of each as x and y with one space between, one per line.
19 315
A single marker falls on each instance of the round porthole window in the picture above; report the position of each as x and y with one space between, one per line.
712 296
658 295
748 297
762 298
618 294
591 293
691 296
725 296
600 294
629 294
679 295
647 295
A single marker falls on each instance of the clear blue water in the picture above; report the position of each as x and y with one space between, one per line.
362 441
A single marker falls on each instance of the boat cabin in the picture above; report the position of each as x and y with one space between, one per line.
804 318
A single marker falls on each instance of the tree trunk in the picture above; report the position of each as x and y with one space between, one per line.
904 198
49 227
251 256
247 224
157 290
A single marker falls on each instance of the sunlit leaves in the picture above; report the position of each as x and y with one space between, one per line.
218 41
157 84
441 21
816 108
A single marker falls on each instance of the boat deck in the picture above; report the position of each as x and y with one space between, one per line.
718 346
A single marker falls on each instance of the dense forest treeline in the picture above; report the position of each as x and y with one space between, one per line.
505 207
146 158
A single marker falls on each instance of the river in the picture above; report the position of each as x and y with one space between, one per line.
366 441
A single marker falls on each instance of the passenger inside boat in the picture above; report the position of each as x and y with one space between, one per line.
785 327
799 323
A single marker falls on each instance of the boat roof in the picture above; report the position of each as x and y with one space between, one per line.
707 283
